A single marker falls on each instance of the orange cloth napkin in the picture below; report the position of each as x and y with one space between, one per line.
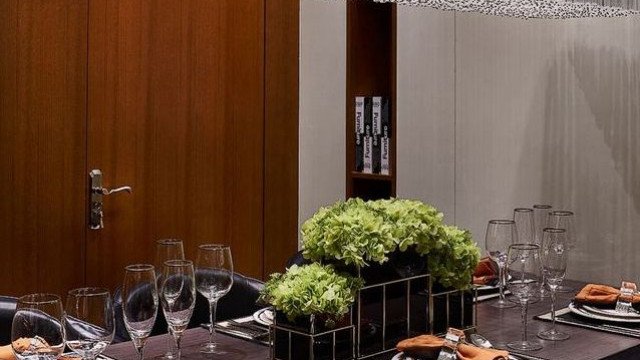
594 294
429 345
486 272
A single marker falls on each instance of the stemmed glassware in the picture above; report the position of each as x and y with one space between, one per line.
523 267
178 295
37 331
562 219
541 221
500 234
214 278
167 249
523 217
88 321
139 303
554 267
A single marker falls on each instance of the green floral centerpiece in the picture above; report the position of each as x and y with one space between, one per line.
313 289
358 232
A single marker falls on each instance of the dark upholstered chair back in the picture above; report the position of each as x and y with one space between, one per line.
240 301
7 310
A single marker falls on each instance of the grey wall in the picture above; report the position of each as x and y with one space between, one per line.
494 113
543 112
322 104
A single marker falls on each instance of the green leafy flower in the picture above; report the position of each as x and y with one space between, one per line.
310 289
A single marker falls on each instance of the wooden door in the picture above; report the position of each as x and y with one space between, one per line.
176 110
43 70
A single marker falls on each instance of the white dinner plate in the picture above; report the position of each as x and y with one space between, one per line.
400 356
263 316
579 310
610 312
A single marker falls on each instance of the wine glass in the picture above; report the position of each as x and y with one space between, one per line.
554 267
500 234
523 268
178 295
214 278
523 217
562 219
167 249
37 332
88 321
139 303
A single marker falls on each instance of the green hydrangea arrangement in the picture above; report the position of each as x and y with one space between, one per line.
357 232
311 289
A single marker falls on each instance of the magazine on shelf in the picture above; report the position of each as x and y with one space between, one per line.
368 137
359 132
385 140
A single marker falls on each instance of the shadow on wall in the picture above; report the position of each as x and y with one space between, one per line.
591 155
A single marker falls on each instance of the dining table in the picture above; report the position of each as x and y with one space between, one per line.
499 326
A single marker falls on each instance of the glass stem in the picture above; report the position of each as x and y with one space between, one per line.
140 352
178 337
525 307
213 304
501 282
171 349
553 309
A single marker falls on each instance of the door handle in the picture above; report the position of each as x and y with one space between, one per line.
97 192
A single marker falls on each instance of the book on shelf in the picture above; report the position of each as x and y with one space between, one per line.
376 127
385 139
359 133
367 151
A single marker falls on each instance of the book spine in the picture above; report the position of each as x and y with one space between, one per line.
359 133
376 127
367 166
385 141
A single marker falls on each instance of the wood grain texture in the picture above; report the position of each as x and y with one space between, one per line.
281 133
371 59
42 145
176 109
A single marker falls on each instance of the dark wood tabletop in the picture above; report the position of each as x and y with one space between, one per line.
498 325
501 326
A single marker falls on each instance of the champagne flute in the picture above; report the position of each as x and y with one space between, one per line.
562 219
214 278
88 321
523 217
178 295
139 303
523 267
540 222
500 234
554 267
167 249
37 332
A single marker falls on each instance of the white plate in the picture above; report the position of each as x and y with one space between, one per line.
578 310
610 312
400 356
263 316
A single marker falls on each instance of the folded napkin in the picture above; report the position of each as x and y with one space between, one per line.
6 353
486 272
429 346
602 295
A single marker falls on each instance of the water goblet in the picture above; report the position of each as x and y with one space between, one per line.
139 303
178 295
500 234
554 268
523 217
36 331
214 278
523 267
88 321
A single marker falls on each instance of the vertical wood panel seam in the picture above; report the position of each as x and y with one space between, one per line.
86 195
265 157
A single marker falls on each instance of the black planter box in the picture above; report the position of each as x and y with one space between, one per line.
311 338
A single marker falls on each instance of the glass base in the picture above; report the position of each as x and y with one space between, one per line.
503 304
553 335
525 345
211 348
167 356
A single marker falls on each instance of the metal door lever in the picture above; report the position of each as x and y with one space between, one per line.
97 192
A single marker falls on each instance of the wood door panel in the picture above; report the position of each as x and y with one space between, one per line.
42 145
176 106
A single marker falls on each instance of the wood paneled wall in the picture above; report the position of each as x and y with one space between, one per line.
43 74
